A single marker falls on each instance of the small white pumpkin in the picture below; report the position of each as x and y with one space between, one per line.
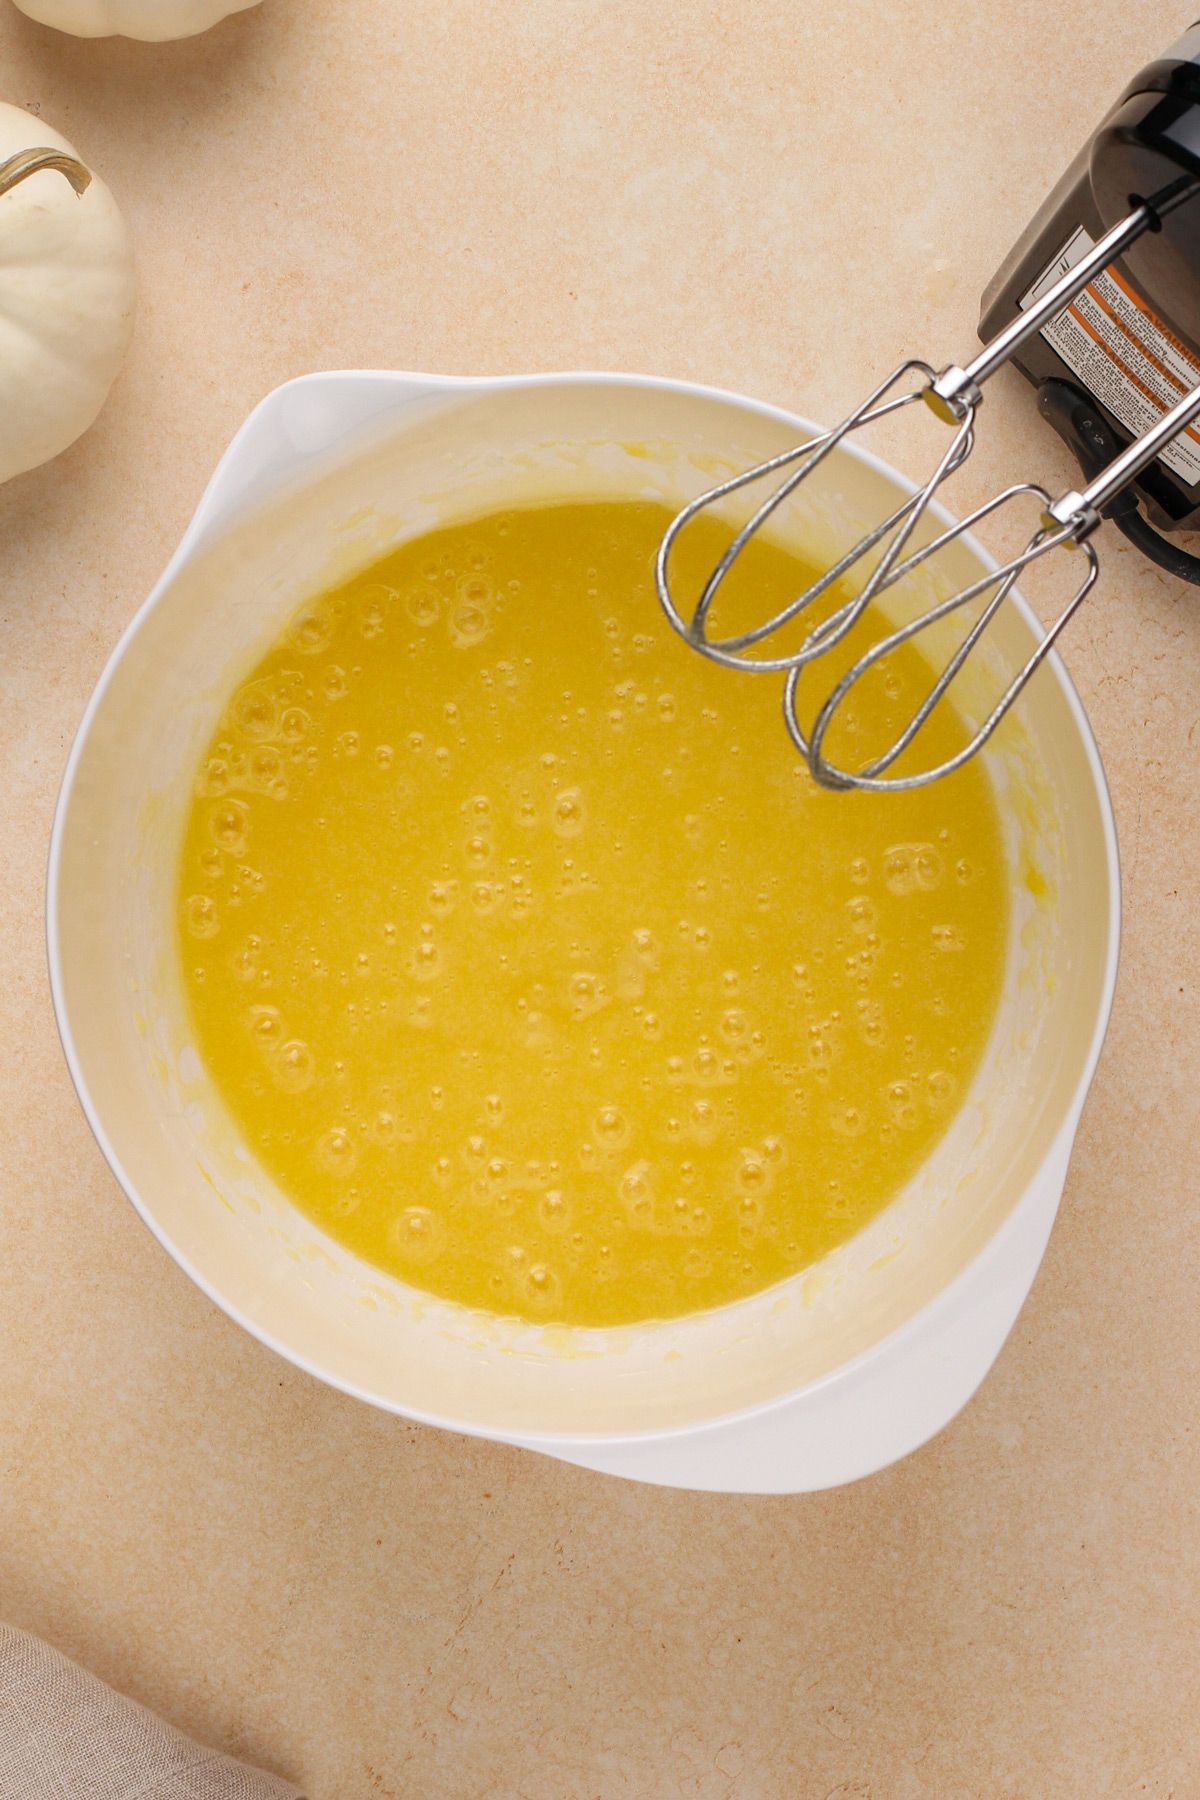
67 294
152 20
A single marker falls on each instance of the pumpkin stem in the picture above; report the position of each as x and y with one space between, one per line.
28 162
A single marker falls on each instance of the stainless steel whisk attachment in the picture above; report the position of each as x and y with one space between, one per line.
954 395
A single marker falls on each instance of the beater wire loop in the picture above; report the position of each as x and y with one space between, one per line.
731 651
1003 580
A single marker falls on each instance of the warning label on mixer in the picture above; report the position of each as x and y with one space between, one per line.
1123 354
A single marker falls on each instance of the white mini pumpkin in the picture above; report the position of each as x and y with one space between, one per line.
153 20
67 295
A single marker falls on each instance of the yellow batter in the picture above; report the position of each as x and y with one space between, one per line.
530 961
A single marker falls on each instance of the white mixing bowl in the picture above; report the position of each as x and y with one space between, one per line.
827 1376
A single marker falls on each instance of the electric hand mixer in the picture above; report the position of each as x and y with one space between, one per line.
1136 179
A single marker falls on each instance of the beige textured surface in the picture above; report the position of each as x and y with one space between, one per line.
776 198
64 1732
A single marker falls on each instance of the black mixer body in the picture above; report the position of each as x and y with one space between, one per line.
1129 346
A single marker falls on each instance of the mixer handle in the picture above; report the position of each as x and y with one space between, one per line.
1082 511
1074 415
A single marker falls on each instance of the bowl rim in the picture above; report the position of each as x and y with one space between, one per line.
213 514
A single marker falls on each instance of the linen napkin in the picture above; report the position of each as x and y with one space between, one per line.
65 1735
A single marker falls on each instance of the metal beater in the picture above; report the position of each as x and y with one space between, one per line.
954 395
